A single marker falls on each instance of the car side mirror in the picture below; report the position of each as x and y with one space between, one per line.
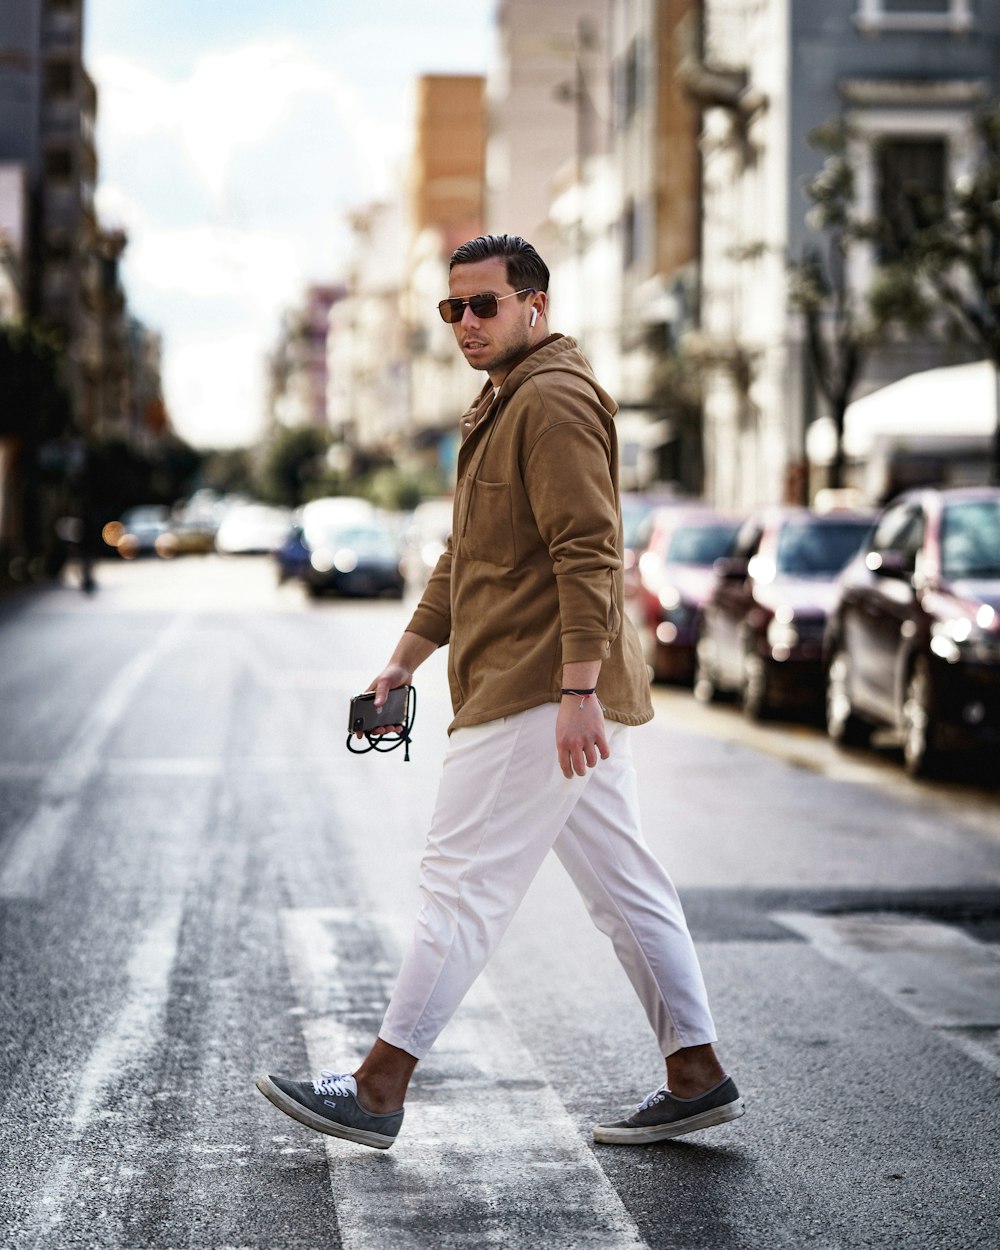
895 564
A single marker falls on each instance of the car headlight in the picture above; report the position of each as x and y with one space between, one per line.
961 639
322 559
670 598
782 636
345 560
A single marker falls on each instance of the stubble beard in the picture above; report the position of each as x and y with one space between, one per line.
506 357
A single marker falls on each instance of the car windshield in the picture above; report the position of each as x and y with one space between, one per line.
634 519
818 548
701 544
970 539
363 540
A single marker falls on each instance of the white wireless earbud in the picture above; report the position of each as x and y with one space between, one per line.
534 315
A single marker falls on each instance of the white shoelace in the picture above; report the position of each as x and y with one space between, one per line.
336 1083
657 1095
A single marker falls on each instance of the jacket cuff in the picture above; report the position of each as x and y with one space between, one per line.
428 624
584 648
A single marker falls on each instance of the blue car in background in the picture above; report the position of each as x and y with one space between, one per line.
352 556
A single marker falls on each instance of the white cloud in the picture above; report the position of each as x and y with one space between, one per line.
217 262
233 174
234 100
213 389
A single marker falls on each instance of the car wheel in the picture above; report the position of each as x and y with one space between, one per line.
754 693
843 724
921 734
706 688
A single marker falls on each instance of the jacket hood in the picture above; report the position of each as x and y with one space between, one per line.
557 354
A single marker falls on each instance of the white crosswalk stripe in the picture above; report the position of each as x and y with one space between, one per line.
935 972
486 1130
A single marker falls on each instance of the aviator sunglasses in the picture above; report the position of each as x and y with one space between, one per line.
486 304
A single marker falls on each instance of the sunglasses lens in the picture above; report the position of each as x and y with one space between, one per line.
451 310
484 305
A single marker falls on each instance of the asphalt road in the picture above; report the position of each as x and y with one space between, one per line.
198 883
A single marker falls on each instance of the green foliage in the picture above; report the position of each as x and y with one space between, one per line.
957 255
120 475
844 324
397 490
34 400
292 463
228 471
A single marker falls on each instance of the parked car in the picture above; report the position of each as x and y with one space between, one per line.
764 618
424 539
349 558
250 528
913 642
195 522
675 577
142 531
637 512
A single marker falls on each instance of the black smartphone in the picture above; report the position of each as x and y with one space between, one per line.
364 716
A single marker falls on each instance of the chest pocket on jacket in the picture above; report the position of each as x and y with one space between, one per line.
489 525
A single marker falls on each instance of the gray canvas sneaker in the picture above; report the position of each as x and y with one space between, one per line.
661 1115
330 1105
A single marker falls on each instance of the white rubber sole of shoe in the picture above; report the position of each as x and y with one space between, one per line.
378 1141
612 1135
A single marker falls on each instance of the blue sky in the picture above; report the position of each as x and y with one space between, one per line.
233 136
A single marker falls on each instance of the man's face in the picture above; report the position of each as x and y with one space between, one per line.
491 343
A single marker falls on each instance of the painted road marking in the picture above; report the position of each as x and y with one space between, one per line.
935 972
35 847
131 1036
487 1143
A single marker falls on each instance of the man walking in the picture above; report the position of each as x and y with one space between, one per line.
546 679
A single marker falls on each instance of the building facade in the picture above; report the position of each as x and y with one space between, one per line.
48 106
906 77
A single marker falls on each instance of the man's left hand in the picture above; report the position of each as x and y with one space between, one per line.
580 736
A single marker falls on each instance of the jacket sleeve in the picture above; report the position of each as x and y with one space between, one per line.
432 616
568 480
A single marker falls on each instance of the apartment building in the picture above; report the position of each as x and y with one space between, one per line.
907 77
13 239
299 371
47 127
367 344
446 190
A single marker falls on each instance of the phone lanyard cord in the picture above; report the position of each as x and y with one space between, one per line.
384 743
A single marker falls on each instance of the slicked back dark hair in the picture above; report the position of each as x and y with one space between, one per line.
524 266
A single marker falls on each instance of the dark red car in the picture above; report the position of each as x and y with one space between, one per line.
764 620
675 575
913 642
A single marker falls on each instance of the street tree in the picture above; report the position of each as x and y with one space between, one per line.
842 323
292 460
952 257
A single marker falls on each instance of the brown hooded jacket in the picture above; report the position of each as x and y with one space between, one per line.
532 576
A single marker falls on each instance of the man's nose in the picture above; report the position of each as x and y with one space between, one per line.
469 317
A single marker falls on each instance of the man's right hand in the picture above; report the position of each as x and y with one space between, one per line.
410 652
392 676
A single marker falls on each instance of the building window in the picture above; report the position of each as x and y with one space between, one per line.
911 184
948 15
59 163
59 80
631 231
630 85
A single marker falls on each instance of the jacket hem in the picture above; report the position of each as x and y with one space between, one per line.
461 721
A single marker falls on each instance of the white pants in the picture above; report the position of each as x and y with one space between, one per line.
502 804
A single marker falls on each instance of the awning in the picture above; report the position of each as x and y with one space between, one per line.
957 401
